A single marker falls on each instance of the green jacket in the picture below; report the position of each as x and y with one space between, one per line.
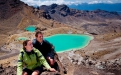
30 61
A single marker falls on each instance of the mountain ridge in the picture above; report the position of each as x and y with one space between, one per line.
64 10
79 18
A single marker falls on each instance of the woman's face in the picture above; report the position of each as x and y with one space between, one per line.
29 46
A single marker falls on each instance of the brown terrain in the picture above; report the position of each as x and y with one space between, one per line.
101 57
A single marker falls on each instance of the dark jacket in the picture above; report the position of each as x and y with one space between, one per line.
44 48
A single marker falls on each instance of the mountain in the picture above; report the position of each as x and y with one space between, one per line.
64 11
16 15
103 6
88 20
12 14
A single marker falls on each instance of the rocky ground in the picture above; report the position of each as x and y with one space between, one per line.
100 57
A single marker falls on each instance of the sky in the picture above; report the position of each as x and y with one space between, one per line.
67 2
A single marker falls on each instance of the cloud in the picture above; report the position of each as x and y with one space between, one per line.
43 2
101 1
68 2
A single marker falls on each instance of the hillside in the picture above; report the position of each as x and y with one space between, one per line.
16 15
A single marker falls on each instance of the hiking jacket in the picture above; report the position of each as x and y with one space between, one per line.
44 48
30 61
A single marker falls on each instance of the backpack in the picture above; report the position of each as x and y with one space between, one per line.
22 54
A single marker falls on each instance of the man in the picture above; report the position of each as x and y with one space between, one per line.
44 47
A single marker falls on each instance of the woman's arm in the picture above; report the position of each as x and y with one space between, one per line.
20 64
42 59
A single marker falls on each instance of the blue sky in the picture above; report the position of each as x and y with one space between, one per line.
49 2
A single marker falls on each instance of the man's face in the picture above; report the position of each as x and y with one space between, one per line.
39 38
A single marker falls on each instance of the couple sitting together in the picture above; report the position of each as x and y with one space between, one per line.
34 55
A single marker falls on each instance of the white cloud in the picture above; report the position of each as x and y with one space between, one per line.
94 2
101 1
45 2
109 1
49 2
31 2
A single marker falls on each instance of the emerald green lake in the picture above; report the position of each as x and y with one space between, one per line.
30 28
65 42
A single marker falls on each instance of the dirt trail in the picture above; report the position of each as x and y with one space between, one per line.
8 53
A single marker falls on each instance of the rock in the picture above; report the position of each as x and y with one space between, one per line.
74 58
50 73
2 2
7 6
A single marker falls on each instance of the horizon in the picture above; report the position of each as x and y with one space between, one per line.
67 2
91 7
80 5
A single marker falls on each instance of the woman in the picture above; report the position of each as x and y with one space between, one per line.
32 60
